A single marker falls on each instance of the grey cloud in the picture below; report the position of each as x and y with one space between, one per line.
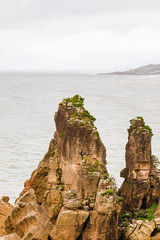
15 12
79 34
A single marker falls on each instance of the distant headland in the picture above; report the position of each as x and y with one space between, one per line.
151 69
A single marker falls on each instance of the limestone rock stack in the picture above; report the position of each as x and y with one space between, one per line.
141 185
70 195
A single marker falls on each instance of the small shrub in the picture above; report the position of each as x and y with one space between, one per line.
59 174
90 173
155 161
125 224
108 191
141 118
75 114
112 180
105 175
52 153
121 172
62 133
62 188
88 115
76 100
120 199
97 133
115 188
125 216
149 129
81 124
59 171
147 214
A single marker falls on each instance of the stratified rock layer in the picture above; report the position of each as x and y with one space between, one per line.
139 230
5 208
70 195
28 219
141 184
12 236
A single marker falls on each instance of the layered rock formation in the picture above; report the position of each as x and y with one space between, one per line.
5 208
70 195
28 219
141 186
140 230
12 236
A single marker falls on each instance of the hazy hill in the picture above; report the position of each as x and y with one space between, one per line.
151 69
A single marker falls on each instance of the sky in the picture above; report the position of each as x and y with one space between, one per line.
79 35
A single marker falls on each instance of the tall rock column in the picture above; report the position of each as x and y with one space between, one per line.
70 195
137 189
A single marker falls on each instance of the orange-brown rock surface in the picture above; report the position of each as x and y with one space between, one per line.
5 208
143 230
12 236
28 219
70 195
141 185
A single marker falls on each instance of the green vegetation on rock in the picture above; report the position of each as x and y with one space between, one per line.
120 199
59 174
140 128
62 188
108 191
147 214
140 118
86 114
139 214
149 129
84 117
94 166
76 100
52 153
155 161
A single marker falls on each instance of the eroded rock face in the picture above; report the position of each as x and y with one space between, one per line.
75 150
70 195
69 224
141 184
5 208
12 236
28 219
140 230
103 219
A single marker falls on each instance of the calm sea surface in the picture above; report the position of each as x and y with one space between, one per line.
28 102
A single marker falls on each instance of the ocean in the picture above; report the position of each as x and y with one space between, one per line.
28 102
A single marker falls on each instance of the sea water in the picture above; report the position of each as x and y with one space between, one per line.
28 102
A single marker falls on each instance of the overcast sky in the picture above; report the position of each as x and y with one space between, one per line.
83 35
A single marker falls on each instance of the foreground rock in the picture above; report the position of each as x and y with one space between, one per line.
70 195
5 208
12 236
141 186
140 230
28 219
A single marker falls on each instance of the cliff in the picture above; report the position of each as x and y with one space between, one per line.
70 195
